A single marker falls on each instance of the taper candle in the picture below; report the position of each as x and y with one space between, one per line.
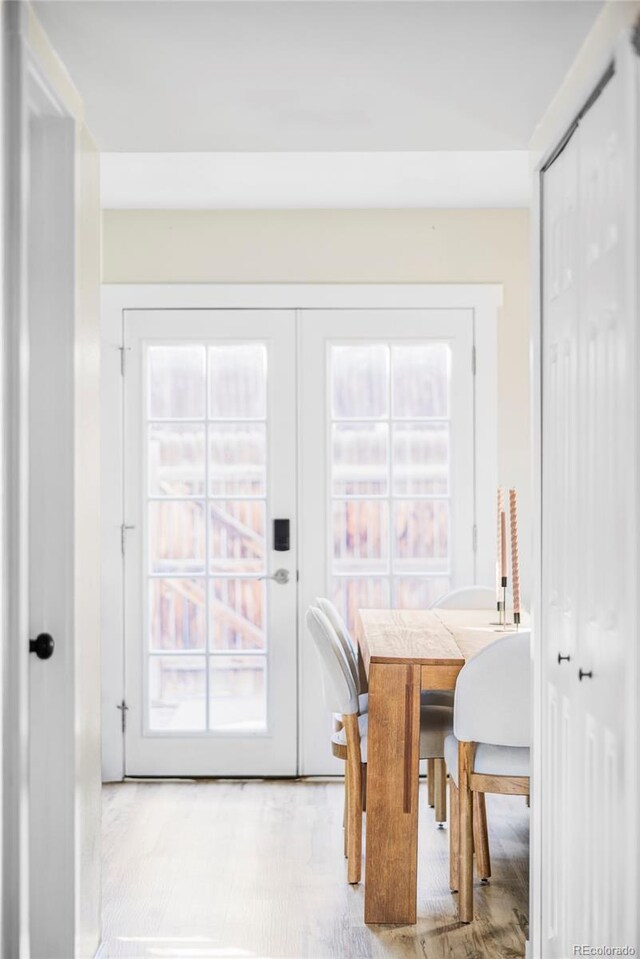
499 548
503 547
515 564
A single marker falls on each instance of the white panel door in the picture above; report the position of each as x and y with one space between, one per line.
210 463
561 584
387 470
606 616
589 492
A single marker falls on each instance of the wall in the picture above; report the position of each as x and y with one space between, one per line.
352 246
87 746
5 859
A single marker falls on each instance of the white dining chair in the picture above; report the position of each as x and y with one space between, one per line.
331 612
350 742
436 772
488 752
467 597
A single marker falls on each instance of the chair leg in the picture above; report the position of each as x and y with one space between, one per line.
440 788
454 835
465 874
354 804
481 837
431 782
345 811
363 773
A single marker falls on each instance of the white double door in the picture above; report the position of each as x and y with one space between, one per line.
588 631
353 427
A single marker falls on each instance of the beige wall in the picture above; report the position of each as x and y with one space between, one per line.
352 246
87 746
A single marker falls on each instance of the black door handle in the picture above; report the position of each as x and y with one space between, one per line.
563 659
43 646
585 675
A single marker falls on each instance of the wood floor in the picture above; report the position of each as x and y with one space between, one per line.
216 869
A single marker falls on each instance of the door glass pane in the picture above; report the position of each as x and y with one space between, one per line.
238 381
176 377
205 537
360 381
176 537
420 377
421 535
360 458
237 691
237 459
175 463
237 610
360 535
390 483
419 592
352 593
236 540
421 458
177 693
177 614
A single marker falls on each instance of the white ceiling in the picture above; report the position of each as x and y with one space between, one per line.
314 180
447 75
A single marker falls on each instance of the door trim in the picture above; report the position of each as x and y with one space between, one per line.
483 299
33 97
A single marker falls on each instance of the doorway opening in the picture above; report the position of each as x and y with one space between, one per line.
266 456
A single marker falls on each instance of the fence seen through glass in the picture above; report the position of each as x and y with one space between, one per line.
206 464
389 449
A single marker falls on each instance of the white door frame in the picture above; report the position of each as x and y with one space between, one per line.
39 905
483 299
614 39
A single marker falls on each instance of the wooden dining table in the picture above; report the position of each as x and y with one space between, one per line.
403 652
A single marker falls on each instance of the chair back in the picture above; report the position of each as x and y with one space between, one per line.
338 623
493 694
339 688
468 597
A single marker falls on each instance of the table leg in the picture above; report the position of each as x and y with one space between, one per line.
393 759
362 672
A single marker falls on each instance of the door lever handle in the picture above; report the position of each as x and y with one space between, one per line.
281 576
43 646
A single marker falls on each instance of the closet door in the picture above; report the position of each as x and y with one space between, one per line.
561 550
589 492
606 624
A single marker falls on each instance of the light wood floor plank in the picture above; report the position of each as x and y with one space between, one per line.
256 870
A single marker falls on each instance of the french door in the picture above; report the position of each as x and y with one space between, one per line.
210 603
365 418
387 460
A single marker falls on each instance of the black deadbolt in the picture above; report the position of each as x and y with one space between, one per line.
281 535
43 646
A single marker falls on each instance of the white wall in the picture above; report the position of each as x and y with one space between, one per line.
352 246
4 860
